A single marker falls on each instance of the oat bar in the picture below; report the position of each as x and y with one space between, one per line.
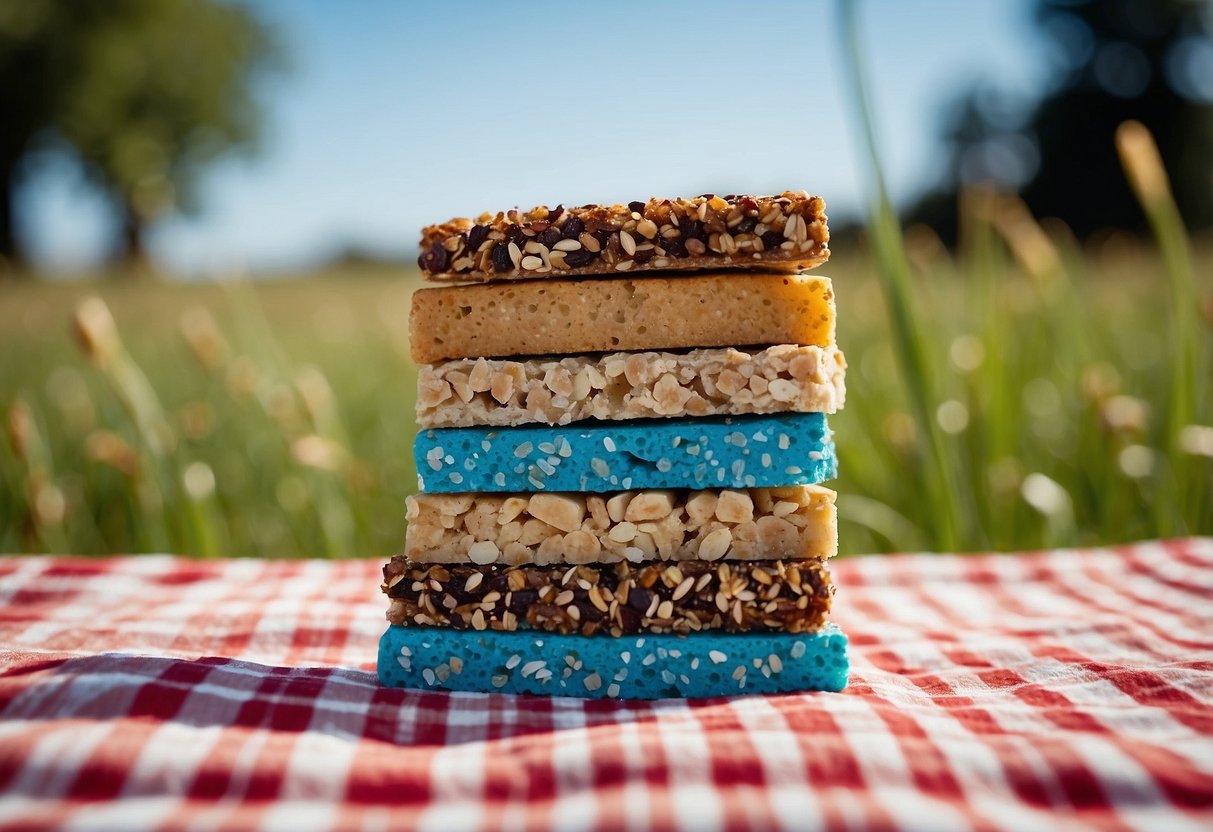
645 313
774 596
621 385
784 232
636 526
722 452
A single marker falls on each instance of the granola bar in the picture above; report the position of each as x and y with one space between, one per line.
644 313
775 596
749 524
784 232
620 385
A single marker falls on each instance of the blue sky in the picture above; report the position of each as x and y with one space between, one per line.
398 114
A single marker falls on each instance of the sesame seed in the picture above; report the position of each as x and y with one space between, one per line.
667 677
613 690
456 477
609 444
499 479
428 675
717 657
523 450
532 667
546 447
797 650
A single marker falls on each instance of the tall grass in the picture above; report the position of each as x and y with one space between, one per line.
275 419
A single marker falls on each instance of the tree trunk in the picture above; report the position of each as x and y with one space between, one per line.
131 257
12 259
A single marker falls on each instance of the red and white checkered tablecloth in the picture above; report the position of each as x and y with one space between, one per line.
1071 689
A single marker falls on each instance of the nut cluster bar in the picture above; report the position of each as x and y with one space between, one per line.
748 524
788 231
542 317
782 596
718 381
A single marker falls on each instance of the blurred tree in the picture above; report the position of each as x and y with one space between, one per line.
146 93
1111 60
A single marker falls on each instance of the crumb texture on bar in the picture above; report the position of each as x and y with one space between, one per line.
722 309
720 381
613 599
721 452
750 524
648 666
784 232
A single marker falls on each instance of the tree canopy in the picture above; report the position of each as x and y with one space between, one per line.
1110 61
145 93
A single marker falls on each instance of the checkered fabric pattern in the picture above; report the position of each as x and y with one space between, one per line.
1069 689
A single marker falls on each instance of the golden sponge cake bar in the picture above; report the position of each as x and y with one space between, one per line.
723 309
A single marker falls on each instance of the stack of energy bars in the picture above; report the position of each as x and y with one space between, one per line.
622 435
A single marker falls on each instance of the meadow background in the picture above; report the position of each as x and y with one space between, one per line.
1011 385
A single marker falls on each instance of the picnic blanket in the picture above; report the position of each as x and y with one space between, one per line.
1065 689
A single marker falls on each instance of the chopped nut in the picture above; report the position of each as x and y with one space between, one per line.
581 547
715 544
734 507
559 510
618 504
650 505
484 551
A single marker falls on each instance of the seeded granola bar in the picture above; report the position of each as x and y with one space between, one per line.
719 381
775 596
645 313
749 524
788 231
